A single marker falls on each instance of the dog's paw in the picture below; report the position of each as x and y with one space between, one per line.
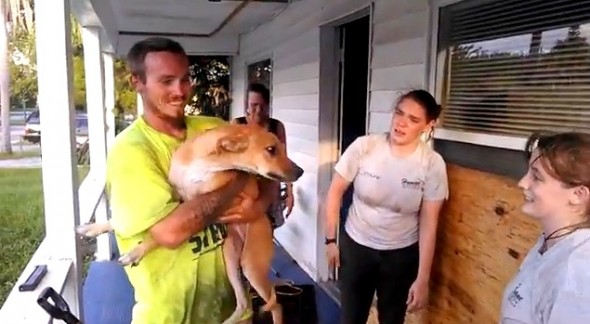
87 230
131 258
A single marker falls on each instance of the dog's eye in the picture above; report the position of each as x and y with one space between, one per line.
272 150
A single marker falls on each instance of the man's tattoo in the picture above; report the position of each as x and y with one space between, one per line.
212 204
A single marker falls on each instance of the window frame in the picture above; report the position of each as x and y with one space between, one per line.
435 83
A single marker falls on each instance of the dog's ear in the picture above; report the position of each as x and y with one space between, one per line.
233 143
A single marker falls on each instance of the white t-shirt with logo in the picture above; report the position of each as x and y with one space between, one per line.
389 190
552 288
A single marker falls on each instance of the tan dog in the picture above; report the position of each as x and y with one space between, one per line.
208 162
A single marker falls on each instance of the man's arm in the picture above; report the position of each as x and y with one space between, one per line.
195 215
142 199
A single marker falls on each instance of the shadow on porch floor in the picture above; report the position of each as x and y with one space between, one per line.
108 296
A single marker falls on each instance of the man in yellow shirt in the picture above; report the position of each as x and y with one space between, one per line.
184 281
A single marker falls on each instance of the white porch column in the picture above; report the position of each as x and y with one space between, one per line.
60 177
139 106
95 103
109 96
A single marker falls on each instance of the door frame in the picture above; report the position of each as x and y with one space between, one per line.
329 127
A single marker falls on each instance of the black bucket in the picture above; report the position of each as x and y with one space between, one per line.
298 302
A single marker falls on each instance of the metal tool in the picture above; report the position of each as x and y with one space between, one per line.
59 309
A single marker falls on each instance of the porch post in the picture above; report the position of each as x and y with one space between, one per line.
59 163
109 96
95 103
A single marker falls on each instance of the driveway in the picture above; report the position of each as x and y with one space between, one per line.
28 162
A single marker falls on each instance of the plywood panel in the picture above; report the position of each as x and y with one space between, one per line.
483 237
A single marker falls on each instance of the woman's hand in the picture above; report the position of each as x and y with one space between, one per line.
289 202
244 209
333 255
418 295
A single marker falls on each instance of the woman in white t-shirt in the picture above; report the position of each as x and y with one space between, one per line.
553 283
399 183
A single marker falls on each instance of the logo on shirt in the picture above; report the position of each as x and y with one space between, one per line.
369 174
515 297
415 185
208 239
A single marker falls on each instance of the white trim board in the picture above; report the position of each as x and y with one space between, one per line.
499 141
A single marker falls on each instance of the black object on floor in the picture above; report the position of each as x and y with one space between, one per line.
298 302
59 309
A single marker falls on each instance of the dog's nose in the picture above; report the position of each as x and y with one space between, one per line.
298 171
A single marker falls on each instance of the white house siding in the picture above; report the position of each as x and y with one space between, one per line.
292 41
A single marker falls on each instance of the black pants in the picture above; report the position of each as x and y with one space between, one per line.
365 270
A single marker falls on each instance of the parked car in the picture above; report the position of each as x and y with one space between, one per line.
33 128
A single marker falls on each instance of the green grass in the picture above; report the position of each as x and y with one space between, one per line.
22 225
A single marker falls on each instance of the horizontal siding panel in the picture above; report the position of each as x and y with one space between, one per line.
297 116
298 19
306 132
379 122
297 102
296 144
308 39
383 100
303 87
297 73
296 13
268 36
406 27
402 78
405 52
297 58
307 162
392 9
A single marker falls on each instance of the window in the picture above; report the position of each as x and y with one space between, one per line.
509 67
260 72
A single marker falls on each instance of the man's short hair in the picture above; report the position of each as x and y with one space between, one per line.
138 52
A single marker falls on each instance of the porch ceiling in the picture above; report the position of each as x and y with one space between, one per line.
189 21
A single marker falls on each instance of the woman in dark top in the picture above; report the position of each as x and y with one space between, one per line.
257 113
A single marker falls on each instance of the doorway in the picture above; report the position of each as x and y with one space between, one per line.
354 44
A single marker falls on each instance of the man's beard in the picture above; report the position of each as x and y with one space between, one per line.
177 120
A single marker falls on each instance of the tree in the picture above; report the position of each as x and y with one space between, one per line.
23 70
16 15
211 96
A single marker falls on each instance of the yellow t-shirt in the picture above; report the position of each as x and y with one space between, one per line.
186 285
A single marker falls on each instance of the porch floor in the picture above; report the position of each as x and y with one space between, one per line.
108 295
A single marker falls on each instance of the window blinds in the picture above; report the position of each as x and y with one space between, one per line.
515 66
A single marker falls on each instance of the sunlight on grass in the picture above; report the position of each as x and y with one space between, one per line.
22 226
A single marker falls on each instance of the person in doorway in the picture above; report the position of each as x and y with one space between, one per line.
553 283
388 241
257 112
185 280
